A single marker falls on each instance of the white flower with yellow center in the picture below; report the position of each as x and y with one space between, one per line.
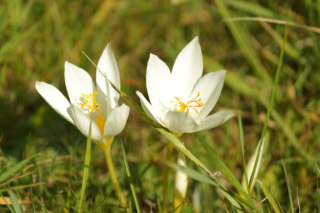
181 100
89 102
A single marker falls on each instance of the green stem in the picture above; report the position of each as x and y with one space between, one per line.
166 170
106 149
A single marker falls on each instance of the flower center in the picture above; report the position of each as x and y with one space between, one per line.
90 102
193 104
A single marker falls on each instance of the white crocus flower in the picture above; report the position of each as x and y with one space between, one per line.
89 102
181 100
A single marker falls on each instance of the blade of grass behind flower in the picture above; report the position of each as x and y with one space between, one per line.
130 179
242 154
255 160
226 171
16 168
201 178
270 198
274 89
85 169
288 185
15 202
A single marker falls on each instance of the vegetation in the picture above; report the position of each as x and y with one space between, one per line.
42 156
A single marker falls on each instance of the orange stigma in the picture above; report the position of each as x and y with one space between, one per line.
194 103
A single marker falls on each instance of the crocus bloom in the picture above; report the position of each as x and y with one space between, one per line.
181 100
90 103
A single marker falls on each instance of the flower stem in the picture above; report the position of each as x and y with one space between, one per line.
107 153
166 170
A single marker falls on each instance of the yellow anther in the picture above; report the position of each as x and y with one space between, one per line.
196 102
90 101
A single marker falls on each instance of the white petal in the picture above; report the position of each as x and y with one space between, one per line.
215 119
181 184
116 121
158 80
210 87
180 122
148 109
78 82
54 98
82 122
108 66
187 68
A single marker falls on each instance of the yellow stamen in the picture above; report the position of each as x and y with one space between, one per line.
90 101
196 102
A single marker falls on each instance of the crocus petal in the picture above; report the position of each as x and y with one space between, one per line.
215 119
148 108
209 87
54 98
78 82
187 69
108 66
180 185
158 79
180 122
116 121
82 122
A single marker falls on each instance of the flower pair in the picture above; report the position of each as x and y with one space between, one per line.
179 100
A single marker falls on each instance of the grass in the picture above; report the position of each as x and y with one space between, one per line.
38 36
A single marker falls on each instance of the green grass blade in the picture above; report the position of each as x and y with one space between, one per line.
251 8
130 179
245 182
288 185
16 168
255 160
22 187
85 170
201 178
270 198
15 202
226 171
274 89
241 38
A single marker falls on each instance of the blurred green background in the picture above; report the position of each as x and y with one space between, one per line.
38 36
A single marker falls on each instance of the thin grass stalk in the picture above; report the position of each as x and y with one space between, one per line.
130 179
242 152
288 185
274 89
